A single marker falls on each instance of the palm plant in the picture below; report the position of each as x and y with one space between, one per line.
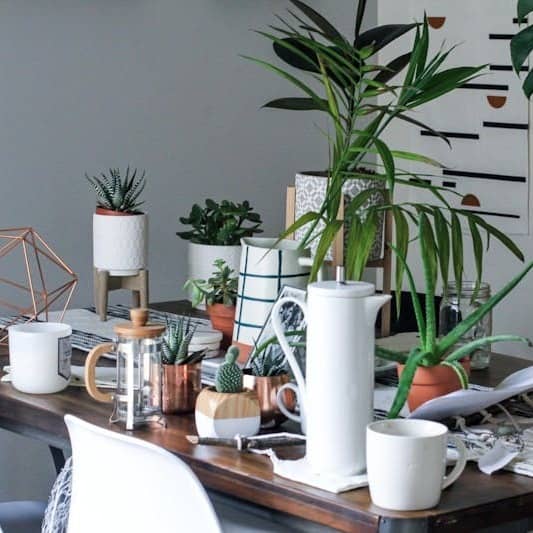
341 78
432 351
117 194
522 45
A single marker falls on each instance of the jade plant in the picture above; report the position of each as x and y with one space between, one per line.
220 224
220 288
119 194
176 342
431 350
340 76
228 378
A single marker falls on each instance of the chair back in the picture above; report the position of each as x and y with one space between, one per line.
123 484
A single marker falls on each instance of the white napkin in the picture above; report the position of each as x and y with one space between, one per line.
298 470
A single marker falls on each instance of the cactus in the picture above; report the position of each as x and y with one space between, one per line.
229 376
117 194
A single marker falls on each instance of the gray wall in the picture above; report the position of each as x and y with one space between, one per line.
89 84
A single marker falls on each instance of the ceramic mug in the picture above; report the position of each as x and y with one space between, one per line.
39 356
266 266
406 463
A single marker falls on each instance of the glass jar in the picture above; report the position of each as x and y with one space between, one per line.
455 306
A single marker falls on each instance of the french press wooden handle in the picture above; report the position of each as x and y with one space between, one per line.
90 372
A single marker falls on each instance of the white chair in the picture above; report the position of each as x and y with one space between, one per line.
123 484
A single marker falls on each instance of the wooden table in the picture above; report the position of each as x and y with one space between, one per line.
475 500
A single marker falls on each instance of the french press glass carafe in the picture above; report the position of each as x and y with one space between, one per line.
137 398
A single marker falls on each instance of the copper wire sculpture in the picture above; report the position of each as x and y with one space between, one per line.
36 256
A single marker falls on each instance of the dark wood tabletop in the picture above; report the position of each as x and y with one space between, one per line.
474 500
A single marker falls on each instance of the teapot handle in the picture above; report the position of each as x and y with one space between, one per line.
287 350
90 372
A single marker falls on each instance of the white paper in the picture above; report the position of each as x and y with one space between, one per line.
467 402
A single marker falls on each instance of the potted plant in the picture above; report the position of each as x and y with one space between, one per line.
181 377
267 372
437 366
344 78
216 233
219 293
120 230
227 409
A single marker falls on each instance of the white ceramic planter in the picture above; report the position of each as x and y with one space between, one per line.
120 243
202 257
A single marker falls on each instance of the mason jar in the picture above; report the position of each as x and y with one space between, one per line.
454 306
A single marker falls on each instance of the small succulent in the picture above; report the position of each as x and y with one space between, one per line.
229 375
176 341
221 288
220 224
117 194
269 362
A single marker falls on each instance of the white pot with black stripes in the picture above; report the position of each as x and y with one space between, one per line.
266 266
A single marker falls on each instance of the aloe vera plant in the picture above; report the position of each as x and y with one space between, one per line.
176 341
339 75
432 350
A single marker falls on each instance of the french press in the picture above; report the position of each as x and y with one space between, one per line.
137 398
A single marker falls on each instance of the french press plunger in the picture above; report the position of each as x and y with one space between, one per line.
137 398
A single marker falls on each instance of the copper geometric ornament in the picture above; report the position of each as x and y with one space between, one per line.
35 268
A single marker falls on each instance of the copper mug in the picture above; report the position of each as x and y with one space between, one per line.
267 389
181 386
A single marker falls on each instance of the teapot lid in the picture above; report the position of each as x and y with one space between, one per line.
138 328
342 289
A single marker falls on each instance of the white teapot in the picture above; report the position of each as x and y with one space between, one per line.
336 398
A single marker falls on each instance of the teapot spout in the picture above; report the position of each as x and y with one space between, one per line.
373 304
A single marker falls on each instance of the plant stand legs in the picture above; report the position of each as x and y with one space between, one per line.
104 283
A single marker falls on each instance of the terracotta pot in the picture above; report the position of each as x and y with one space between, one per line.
180 388
432 382
112 213
266 389
226 414
222 318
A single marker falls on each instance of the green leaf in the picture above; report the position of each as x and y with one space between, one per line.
388 162
470 347
443 243
424 127
527 86
497 234
328 236
329 30
297 104
393 68
419 158
524 8
361 8
401 227
457 250
459 370
390 355
521 47
428 252
405 382
477 245
359 246
381 36
473 318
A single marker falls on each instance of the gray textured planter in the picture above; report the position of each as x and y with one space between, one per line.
310 193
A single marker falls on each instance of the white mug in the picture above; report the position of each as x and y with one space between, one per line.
39 356
406 463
